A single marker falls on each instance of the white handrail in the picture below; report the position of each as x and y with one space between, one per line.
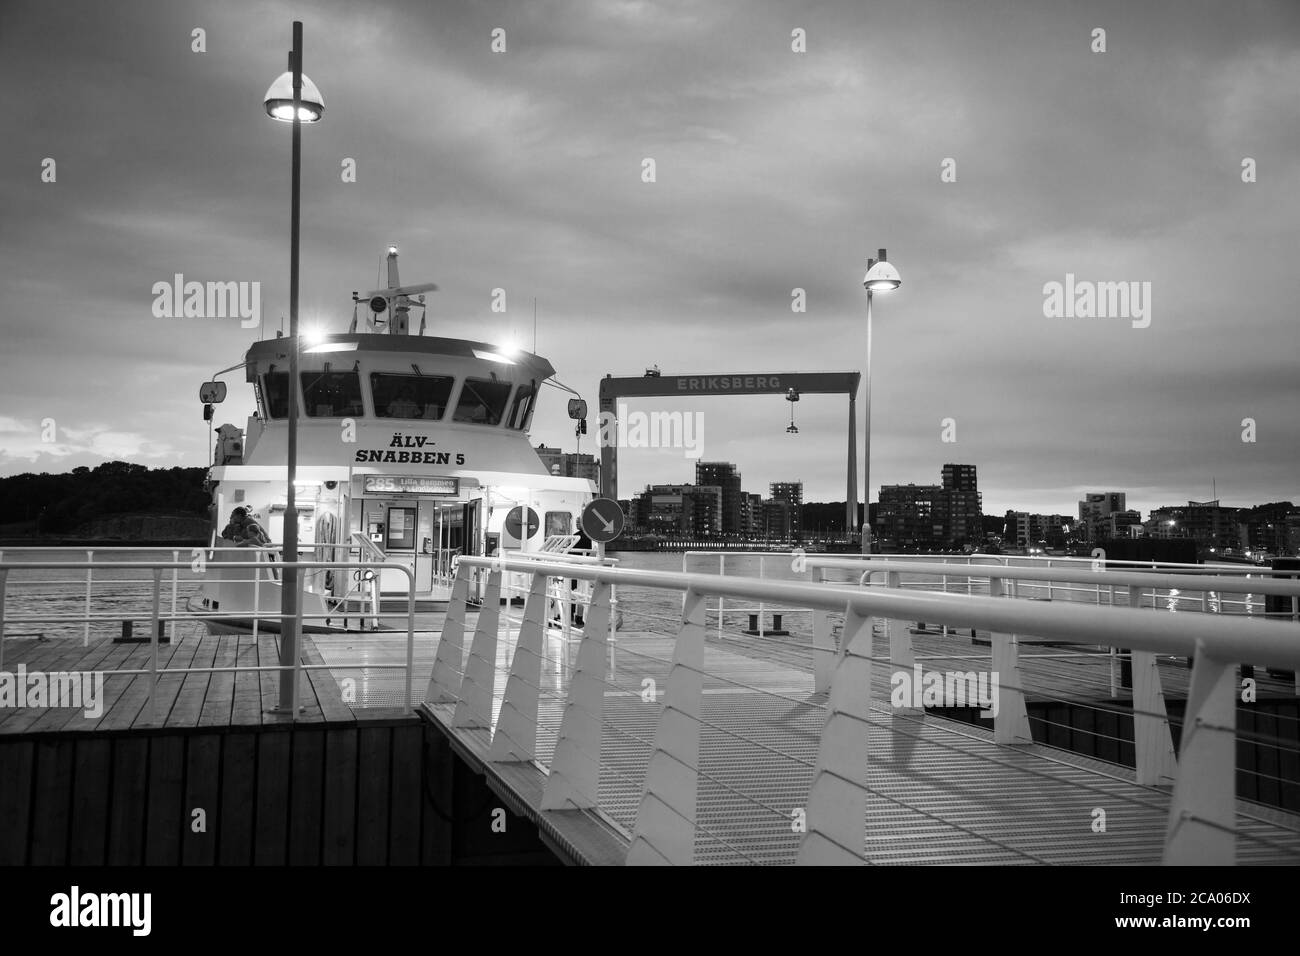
1144 579
1202 813
156 614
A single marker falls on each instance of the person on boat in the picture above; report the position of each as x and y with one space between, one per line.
583 544
244 531
404 405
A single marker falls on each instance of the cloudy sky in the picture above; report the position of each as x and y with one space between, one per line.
775 170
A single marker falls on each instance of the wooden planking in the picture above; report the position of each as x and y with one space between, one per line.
406 795
247 707
374 747
51 803
328 695
338 836
166 796
238 787
202 792
127 798
92 762
105 654
306 803
169 685
307 795
17 761
132 704
188 705
271 813
220 698
184 699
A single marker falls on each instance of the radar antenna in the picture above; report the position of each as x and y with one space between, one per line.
395 301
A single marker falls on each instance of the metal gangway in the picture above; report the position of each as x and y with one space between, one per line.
633 746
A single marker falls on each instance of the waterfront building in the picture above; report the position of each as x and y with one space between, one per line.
723 474
791 492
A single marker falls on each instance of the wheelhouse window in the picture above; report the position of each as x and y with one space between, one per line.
482 402
276 389
521 409
559 522
331 394
411 396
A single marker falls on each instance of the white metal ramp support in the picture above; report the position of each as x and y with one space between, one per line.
902 655
516 732
837 800
1202 813
1152 741
446 677
574 779
474 707
665 818
824 651
1011 723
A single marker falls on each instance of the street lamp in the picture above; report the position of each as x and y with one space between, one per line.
880 277
292 98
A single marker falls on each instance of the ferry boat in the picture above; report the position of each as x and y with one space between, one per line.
411 449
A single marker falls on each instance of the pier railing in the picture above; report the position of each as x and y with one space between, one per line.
160 616
668 776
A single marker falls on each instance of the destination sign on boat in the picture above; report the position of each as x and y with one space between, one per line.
408 450
412 484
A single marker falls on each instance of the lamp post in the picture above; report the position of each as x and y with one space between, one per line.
880 277
292 98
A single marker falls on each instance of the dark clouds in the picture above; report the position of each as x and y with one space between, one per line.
775 171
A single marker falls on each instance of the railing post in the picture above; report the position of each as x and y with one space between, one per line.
300 582
902 656
665 819
837 799
85 634
257 591
474 707
613 630
722 573
516 731
824 651
446 677
176 558
1203 808
1011 722
1152 742
575 769
410 639
153 648
4 585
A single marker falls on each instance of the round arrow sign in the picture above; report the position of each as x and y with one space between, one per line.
602 519
516 519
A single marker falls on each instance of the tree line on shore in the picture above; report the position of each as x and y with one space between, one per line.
46 504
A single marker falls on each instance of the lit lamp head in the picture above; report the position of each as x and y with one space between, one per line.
881 276
279 100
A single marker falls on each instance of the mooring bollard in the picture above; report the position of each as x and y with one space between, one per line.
127 638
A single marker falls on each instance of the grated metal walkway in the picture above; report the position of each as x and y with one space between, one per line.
941 791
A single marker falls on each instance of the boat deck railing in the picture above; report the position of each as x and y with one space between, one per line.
129 606
1043 578
642 770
